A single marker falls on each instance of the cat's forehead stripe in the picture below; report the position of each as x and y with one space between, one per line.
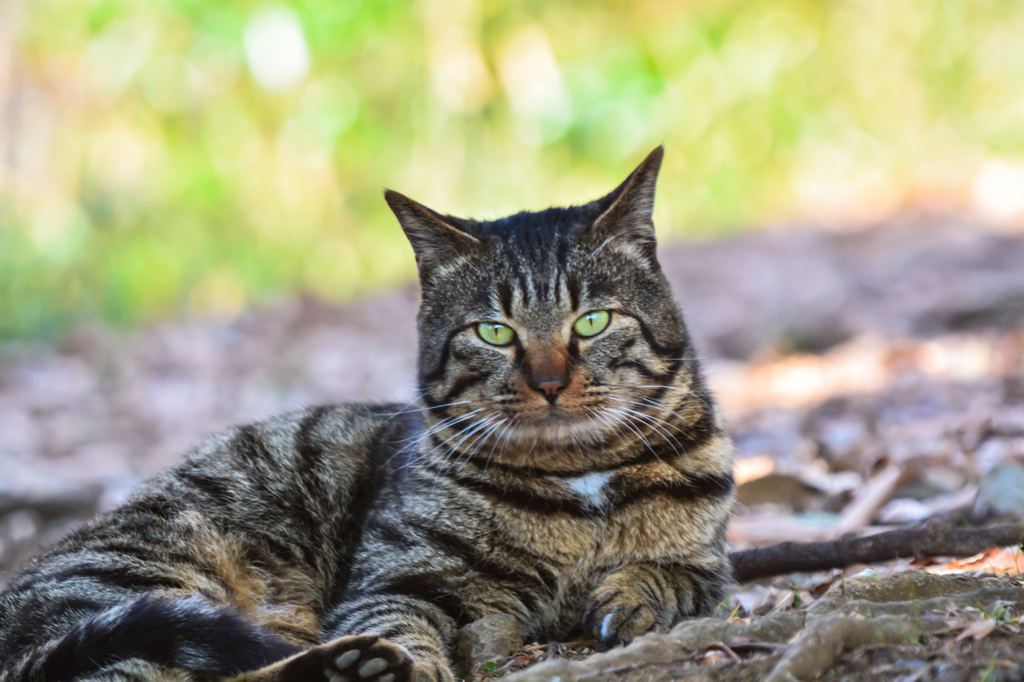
505 298
538 286
572 286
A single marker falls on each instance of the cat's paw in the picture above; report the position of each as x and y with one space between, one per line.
359 658
367 658
614 616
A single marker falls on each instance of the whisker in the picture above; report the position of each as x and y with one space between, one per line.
627 422
481 441
420 392
421 437
511 423
508 437
444 424
671 388
654 424
491 423
650 403
640 419
613 424
575 443
465 435
425 409
454 449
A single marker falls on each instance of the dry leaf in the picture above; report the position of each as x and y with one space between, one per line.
756 599
979 629
785 602
998 561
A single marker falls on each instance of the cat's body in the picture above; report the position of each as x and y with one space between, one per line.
565 464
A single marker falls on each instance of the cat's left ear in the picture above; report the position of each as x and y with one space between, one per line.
626 214
436 239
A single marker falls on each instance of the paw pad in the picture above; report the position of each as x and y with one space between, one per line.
372 667
366 658
347 659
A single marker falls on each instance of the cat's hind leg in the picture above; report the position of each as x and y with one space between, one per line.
356 658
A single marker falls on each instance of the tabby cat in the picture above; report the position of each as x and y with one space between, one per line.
565 463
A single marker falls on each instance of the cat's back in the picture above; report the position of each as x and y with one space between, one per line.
300 458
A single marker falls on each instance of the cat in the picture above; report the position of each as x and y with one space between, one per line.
565 463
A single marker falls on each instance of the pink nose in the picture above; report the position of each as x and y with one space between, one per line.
547 371
551 389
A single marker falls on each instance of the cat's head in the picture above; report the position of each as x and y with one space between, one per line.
551 329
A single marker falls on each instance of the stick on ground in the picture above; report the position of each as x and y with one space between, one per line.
929 539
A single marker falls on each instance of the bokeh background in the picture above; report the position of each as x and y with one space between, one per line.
193 233
168 158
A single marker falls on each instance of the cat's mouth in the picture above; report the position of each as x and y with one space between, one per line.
551 415
557 426
554 413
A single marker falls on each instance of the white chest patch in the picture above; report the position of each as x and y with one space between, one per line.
591 486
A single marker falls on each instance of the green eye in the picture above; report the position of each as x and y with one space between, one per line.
495 334
592 323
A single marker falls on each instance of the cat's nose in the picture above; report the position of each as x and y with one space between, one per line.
547 371
551 389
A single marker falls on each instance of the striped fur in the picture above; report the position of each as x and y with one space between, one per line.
352 542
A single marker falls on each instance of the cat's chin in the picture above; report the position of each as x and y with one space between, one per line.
557 429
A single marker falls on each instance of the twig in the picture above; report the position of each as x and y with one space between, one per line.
929 539
869 499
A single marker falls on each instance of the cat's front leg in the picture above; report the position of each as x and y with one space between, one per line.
643 597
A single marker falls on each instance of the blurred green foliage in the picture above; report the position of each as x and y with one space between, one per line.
149 168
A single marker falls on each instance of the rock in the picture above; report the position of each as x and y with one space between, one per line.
31 486
492 638
1001 491
782 490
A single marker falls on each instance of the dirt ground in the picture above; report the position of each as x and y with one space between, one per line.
872 378
864 628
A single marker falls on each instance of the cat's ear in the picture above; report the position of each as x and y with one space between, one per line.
626 214
434 238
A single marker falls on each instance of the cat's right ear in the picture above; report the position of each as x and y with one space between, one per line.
626 214
433 237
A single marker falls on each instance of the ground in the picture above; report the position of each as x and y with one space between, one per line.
872 378
911 625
